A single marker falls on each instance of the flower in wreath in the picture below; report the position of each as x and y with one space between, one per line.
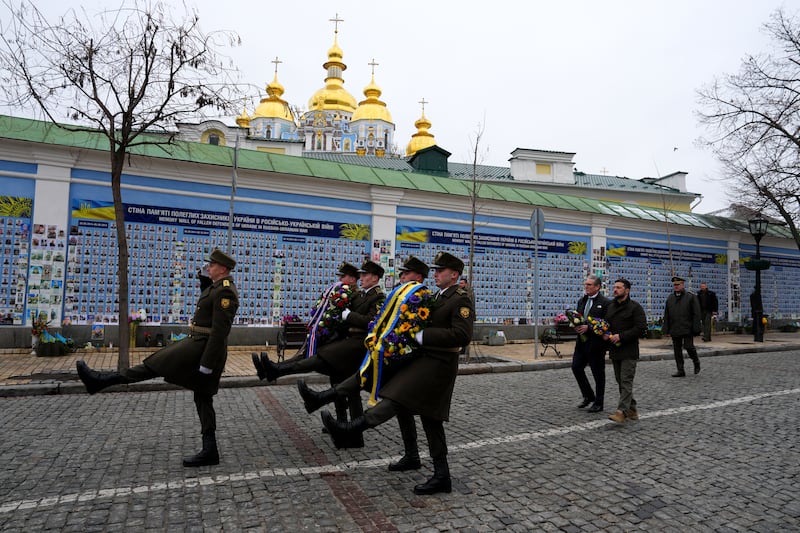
137 317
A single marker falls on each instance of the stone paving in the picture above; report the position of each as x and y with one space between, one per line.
717 451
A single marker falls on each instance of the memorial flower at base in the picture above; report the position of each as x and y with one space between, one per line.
392 335
561 319
137 317
575 319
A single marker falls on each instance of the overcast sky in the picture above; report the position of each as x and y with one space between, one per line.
612 81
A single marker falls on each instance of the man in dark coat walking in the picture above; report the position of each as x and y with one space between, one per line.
682 323
196 362
592 351
627 323
424 385
709 307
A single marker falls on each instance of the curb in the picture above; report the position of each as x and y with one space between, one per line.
54 387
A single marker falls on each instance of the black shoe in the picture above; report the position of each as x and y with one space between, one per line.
595 408
440 482
257 363
95 381
407 462
313 400
679 374
584 403
209 455
697 367
271 370
345 434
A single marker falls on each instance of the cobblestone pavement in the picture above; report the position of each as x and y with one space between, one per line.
717 451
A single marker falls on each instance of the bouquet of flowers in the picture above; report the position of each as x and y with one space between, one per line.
576 319
137 317
561 318
290 318
39 325
600 327
392 335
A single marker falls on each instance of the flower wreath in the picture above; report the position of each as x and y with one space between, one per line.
326 316
392 335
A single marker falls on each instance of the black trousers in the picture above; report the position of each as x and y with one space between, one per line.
597 362
678 344
204 403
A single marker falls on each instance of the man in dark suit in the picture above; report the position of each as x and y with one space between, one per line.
591 351
424 385
196 362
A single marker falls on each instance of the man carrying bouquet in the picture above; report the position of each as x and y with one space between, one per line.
590 349
424 385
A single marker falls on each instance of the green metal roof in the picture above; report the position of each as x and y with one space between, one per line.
43 132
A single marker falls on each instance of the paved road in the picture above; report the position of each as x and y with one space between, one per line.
713 452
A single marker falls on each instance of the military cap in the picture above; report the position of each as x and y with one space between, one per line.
445 260
221 258
371 267
676 279
346 269
415 265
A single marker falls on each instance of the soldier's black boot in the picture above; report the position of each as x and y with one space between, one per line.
209 455
345 434
410 459
440 482
340 405
260 372
95 381
313 400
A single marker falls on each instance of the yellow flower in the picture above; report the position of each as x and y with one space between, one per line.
404 308
423 313
405 326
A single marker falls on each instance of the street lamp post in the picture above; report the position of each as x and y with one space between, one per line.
758 228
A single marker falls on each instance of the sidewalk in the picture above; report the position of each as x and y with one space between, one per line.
23 374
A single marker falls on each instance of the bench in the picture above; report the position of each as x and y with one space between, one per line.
552 336
293 335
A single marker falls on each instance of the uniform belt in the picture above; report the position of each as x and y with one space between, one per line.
199 330
353 331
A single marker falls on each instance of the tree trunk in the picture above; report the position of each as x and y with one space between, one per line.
117 164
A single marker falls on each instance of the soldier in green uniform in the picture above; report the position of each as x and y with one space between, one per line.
424 386
196 362
342 357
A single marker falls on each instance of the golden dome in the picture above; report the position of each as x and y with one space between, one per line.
372 108
243 120
423 138
333 97
273 106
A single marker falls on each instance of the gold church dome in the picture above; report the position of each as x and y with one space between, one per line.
372 108
333 97
243 120
273 106
423 138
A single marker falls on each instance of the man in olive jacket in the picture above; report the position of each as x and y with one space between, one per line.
196 362
627 323
682 323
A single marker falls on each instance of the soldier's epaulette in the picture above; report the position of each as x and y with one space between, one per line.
226 283
461 291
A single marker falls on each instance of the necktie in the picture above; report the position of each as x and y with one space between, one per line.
587 307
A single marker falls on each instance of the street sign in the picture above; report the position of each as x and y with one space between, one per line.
537 223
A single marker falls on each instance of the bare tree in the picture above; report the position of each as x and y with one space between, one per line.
125 74
753 118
